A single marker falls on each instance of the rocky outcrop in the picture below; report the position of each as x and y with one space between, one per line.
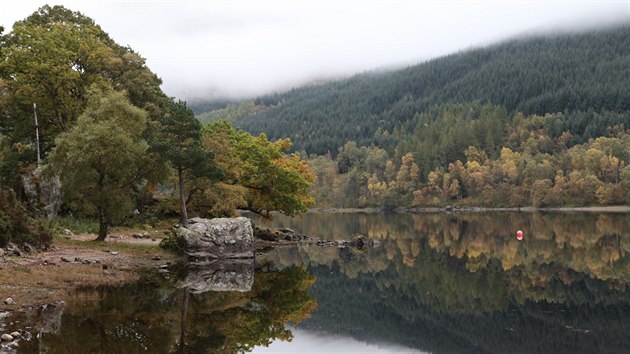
223 275
221 238
285 236
43 193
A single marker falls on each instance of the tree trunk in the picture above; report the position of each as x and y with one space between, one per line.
182 198
102 226
182 336
102 217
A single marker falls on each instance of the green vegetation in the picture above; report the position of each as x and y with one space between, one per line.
99 159
114 139
17 227
178 140
52 58
259 175
230 112
474 154
497 126
531 122
585 75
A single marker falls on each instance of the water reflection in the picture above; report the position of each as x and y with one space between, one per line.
458 283
463 283
155 316
223 275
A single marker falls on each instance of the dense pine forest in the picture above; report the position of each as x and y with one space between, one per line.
538 121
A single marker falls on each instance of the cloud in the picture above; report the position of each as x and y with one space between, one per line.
245 48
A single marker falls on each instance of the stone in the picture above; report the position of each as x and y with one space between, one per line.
114 253
2 252
196 220
219 275
9 301
29 248
15 334
13 250
6 337
66 259
220 238
67 232
155 258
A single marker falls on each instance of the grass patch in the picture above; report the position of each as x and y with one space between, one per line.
87 225
122 247
77 226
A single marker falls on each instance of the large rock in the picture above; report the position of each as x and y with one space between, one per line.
220 275
221 238
43 193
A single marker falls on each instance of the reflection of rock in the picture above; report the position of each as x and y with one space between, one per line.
224 275
284 236
45 318
221 238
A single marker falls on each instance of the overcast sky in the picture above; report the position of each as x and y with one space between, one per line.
245 48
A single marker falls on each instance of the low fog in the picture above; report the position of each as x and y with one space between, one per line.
217 49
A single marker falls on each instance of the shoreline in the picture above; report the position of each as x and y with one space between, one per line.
430 210
75 261
52 275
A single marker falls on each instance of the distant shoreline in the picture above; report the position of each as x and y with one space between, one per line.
589 209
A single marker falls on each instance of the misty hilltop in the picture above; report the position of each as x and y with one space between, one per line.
580 72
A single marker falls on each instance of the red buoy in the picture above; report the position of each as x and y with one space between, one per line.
519 235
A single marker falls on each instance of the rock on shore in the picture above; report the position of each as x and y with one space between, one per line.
220 238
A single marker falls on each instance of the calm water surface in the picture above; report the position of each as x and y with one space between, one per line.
443 283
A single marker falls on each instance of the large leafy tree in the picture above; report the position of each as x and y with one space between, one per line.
99 160
178 140
260 176
52 58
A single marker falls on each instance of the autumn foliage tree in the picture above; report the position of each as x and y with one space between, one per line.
260 175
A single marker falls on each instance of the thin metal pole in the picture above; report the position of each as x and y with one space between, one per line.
39 159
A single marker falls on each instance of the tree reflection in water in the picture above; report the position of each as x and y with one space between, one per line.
463 283
458 283
152 316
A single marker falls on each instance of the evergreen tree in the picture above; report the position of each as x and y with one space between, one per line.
178 140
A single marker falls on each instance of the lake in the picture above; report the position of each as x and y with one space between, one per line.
438 283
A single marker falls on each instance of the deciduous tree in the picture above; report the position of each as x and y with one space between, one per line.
100 158
272 179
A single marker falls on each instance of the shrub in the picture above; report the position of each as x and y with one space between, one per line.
172 242
17 227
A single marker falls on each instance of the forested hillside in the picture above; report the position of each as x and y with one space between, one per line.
573 73
540 121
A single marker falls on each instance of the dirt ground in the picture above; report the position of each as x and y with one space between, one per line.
75 261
